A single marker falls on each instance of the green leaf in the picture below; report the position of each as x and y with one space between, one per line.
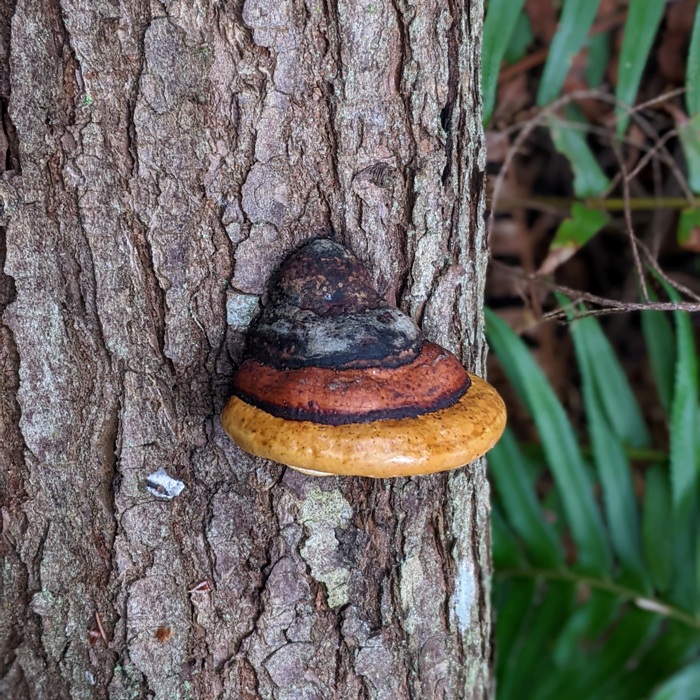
689 135
504 548
684 460
559 443
685 685
589 179
599 668
618 493
521 39
683 448
530 652
500 22
580 228
509 474
692 77
669 652
642 23
598 58
517 597
688 232
616 397
606 391
576 19
582 628
661 345
657 511
629 637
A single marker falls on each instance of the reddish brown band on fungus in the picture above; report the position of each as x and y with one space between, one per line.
433 381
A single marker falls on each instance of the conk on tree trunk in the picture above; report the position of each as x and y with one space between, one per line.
337 381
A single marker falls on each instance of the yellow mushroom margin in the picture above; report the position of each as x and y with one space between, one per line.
432 442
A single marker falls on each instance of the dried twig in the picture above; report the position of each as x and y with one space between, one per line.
658 150
101 628
609 306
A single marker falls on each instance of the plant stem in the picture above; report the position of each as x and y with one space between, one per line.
611 204
640 599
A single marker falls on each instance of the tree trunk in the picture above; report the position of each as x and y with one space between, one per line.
160 160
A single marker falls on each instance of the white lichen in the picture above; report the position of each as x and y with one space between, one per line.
322 512
241 309
465 594
161 485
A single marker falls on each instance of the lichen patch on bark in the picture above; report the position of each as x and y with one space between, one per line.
322 513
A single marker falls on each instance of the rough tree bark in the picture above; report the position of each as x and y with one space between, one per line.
160 159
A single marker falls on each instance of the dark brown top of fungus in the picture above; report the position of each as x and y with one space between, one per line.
323 312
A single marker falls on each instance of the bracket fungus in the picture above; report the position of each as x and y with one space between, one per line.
337 381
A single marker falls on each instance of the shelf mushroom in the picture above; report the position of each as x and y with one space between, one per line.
337 381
